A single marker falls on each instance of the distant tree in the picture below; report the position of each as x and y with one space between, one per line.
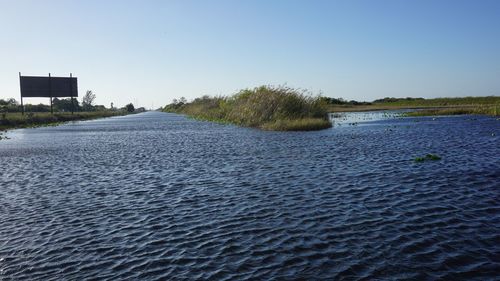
36 108
99 108
66 104
175 105
130 107
9 105
8 102
329 100
88 100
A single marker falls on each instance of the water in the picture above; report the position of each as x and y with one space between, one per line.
158 196
356 118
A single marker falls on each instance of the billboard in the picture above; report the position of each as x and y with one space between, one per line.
46 87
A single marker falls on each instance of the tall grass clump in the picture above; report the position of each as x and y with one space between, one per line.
267 107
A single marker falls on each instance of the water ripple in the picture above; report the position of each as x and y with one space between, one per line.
158 196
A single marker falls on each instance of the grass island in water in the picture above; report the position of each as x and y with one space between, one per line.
267 107
286 109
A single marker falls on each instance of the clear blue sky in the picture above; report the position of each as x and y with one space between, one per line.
150 52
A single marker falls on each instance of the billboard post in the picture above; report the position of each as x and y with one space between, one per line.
21 86
70 89
50 94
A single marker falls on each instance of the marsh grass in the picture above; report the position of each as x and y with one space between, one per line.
30 119
306 124
439 102
480 105
267 107
492 110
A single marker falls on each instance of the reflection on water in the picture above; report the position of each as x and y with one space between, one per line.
356 118
156 195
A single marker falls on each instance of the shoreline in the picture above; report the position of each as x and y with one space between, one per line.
12 121
415 111
280 125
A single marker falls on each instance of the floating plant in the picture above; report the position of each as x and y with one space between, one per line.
428 157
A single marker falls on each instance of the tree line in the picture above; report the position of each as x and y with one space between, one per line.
87 104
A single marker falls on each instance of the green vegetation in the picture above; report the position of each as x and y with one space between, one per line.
493 110
439 102
306 124
441 106
267 107
88 101
286 109
130 107
30 119
428 157
61 105
39 115
341 101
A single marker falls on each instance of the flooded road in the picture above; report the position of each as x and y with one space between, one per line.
159 196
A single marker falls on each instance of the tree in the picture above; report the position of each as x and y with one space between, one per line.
130 107
88 100
66 104
9 105
8 102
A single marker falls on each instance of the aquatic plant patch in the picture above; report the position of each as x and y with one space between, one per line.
428 157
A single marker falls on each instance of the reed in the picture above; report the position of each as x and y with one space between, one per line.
267 107
492 110
306 124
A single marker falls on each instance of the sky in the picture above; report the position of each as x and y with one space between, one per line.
150 52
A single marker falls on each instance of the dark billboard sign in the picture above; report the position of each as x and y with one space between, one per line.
47 87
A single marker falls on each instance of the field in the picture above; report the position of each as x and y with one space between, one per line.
489 105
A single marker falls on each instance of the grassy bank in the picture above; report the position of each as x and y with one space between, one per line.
439 106
439 102
17 120
266 107
493 110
